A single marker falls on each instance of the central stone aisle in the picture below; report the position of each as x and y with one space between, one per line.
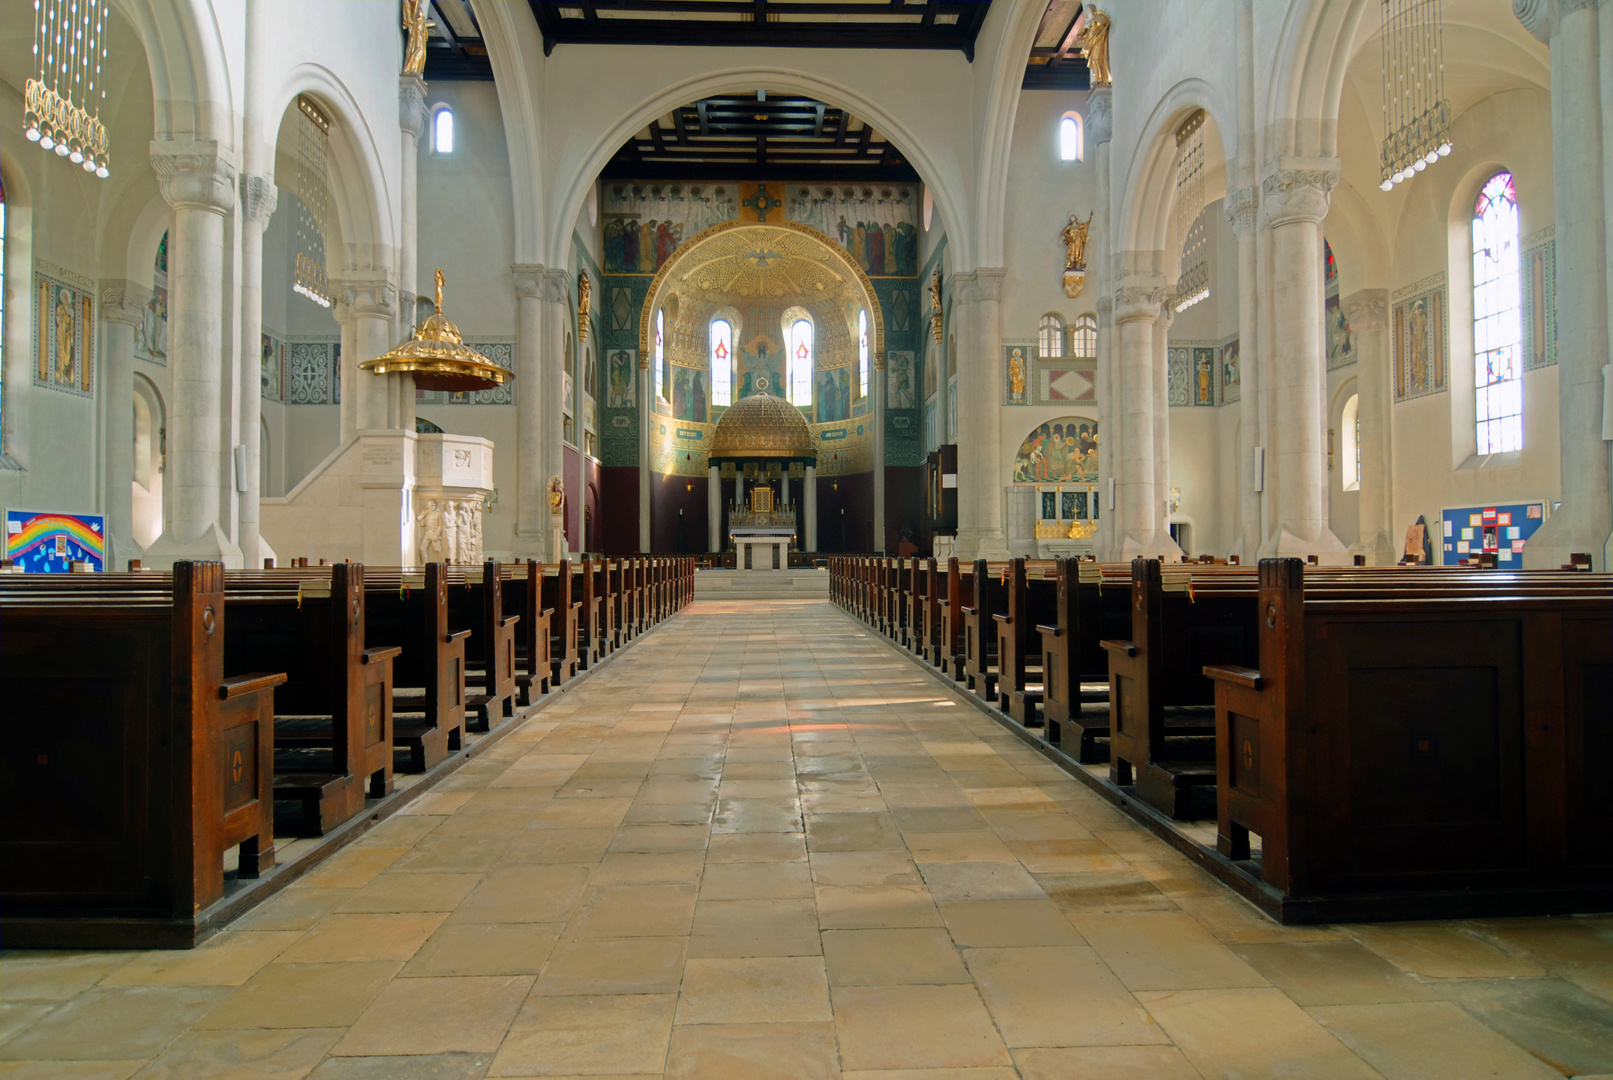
761 843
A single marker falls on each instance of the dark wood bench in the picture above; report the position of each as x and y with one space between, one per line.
989 598
1031 591
523 596
1091 602
477 601
562 621
428 693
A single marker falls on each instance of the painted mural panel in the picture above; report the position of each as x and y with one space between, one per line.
877 223
689 394
762 359
621 373
1060 451
899 388
151 336
1340 341
64 330
1231 373
49 543
1420 342
1017 360
1203 375
831 396
645 222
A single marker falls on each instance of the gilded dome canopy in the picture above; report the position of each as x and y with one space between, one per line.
763 426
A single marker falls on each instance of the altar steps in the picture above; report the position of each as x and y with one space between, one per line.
798 584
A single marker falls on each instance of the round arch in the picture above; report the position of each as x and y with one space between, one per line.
574 184
1314 47
687 250
190 83
1145 211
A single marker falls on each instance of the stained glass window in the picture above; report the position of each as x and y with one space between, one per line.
862 354
1497 318
660 354
1084 337
1050 337
801 362
1351 423
722 362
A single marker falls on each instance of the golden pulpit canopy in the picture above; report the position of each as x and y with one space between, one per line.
438 357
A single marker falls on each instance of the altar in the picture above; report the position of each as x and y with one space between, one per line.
762 532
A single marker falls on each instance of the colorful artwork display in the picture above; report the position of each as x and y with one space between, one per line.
1062 451
49 543
1501 531
761 359
1231 375
899 389
878 224
1540 304
1203 376
1340 342
621 374
151 336
689 394
1017 360
645 222
1417 325
831 396
64 330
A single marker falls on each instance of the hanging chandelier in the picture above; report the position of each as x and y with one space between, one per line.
309 277
62 102
1193 273
1416 114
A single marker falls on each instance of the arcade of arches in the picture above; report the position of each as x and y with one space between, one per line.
1175 312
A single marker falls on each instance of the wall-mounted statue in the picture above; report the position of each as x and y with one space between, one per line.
417 25
1075 253
1093 42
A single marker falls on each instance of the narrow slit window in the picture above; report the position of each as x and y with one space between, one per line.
722 362
1070 148
801 362
1497 318
862 354
660 353
442 131
1050 339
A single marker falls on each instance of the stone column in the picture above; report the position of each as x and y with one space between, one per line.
1295 202
645 415
1368 312
1243 210
977 313
714 508
372 301
122 308
550 385
258 199
412 123
531 482
1162 424
1137 501
198 182
1580 35
876 415
809 499
347 371
1100 130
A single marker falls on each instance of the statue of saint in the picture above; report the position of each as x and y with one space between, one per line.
585 290
416 23
557 494
1075 242
1093 42
433 541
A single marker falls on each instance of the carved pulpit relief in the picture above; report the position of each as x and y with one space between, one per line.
450 530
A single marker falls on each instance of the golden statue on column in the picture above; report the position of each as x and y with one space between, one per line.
1075 254
417 25
1093 42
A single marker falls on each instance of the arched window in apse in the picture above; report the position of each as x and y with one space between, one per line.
1497 318
660 353
722 362
862 354
442 130
801 362
1070 140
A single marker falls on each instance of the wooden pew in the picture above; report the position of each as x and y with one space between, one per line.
565 614
585 584
989 598
428 676
1019 659
917 598
1450 749
490 650
131 763
523 596
960 584
1092 602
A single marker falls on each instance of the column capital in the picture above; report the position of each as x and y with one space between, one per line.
1100 115
368 294
528 280
1298 194
1368 309
1542 17
259 197
123 302
412 105
980 284
556 286
1138 300
1243 210
194 174
1166 315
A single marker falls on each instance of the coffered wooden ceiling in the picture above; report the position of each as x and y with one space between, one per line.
1054 63
760 136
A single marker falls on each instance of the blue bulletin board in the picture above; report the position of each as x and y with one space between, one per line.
1501 529
49 543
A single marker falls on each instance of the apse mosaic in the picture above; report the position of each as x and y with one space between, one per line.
50 542
899 389
1062 451
1191 374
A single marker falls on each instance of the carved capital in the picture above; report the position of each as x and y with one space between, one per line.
1243 210
123 302
1135 302
369 295
984 283
1165 316
1297 195
1368 309
1542 18
528 280
259 197
1100 115
1106 309
412 105
194 175
556 286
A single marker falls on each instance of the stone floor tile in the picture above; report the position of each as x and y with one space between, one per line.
69 1070
755 928
754 990
536 894
1072 857
1165 952
412 892
915 1027
1558 942
1057 996
756 881
979 881
227 960
977 846
437 1015
1428 1041
456 851
660 838
939 819
860 907
113 1024
1442 951
1105 1063
1332 973
242 1054
1251 1035
586 966
624 1034
546 846
753 1052
344 937
15 1016
757 847
696 813
1101 891
582 814
401 1067
486 949
1008 923
1552 1018
303 996
758 815
988 1073
1049 823
358 865
646 868
892 958
48 975
636 911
